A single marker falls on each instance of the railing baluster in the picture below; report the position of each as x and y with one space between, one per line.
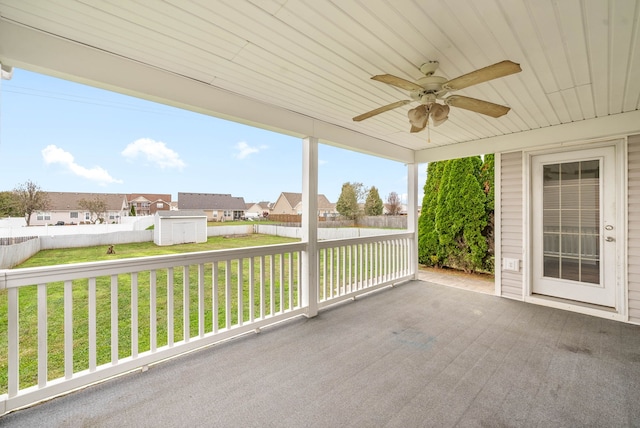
299 282
345 269
240 292
336 272
227 295
201 300
134 314
331 272
92 325
262 297
350 283
392 259
114 320
323 263
153 311
365 278
252 290
376 263
290 281
281 267
43 318
272 284
215 304
68 329
13 363
170 308
358 267
186 324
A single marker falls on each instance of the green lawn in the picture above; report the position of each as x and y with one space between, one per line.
55 299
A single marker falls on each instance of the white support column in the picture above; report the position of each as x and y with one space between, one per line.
310 225
412 213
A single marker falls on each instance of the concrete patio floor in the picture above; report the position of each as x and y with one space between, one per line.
415 355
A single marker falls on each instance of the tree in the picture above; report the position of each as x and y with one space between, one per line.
347 204
373 205
132 211
97 208
487 184
30 198
460 214
429 252
394 204
360 191
9 205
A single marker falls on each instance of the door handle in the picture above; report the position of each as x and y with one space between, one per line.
609 239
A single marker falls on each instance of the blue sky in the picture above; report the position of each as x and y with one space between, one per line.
68 137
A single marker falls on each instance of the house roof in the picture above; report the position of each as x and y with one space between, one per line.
305 68
210 201
65 201
265 205
150 197
295 199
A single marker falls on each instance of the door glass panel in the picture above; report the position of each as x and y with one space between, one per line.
571 221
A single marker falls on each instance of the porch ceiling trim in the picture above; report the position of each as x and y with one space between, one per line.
575 132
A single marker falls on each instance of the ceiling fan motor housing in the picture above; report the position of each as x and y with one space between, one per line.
432 89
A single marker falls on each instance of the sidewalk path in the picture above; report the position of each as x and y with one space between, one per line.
474 282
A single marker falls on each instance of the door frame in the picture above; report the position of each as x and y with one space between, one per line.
620 310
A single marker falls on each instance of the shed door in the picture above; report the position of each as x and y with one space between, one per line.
573 226
184 232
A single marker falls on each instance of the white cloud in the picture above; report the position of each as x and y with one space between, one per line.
154 152
243 150
55 155
322 162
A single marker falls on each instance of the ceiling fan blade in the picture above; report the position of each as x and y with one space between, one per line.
478 106
379 110
485 74
398 82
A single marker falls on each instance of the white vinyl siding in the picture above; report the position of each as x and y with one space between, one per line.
511 222
633 251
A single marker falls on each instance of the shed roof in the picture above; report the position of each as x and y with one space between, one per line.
181 213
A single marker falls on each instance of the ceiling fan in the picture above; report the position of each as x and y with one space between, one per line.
429 89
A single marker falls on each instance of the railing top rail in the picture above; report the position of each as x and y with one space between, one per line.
328 243
11 278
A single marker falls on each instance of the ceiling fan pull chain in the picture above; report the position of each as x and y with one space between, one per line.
428 132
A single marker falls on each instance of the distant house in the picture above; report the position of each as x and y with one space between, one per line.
387 210
148 203
217 206
291 203
64 207
257 209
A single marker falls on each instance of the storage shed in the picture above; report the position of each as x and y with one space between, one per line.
180 227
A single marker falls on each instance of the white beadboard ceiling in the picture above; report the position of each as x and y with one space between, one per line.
303 67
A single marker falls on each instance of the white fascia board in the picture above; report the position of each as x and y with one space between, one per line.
31 49
569 133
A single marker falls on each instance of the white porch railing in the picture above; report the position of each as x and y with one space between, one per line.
72 325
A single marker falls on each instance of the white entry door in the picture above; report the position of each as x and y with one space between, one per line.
574 225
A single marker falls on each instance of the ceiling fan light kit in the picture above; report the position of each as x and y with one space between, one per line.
428 89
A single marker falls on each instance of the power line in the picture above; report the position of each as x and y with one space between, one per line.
82 100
